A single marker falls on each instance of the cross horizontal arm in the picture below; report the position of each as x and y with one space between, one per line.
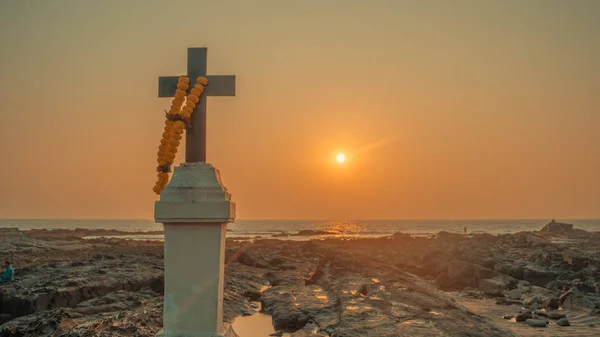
218 85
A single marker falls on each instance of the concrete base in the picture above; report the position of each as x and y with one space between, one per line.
225 331
194 208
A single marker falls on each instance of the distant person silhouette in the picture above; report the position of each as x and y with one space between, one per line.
465 230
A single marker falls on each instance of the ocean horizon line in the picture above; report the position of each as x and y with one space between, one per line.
329 219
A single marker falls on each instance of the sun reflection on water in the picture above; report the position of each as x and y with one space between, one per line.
345 228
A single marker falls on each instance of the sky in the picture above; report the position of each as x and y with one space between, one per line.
444 109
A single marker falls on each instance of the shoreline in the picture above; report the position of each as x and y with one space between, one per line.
294 228
96 233
392 285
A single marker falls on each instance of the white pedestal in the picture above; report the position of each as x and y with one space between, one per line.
195 208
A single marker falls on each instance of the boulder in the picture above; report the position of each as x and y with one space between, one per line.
473 294
496 285
539 275
558 227
459 274
505 301
551 303
290 321
534 300
513 269
563 322
536 323
522 317
515 294
556 315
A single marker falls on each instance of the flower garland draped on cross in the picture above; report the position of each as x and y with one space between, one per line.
176 120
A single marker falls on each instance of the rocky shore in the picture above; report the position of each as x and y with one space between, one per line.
446 285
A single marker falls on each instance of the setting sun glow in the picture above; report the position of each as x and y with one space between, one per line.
340 158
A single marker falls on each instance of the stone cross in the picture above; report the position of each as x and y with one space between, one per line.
218 85
195 208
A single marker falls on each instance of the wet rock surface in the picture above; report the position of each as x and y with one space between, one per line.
67 286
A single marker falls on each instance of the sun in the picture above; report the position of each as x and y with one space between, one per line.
340 158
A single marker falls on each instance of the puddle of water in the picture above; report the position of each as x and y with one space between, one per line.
257 325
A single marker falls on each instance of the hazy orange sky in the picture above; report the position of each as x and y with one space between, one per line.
445 109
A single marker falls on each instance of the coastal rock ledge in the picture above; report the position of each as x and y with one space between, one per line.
70 286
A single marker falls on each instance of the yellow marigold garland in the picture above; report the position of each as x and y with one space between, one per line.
174 126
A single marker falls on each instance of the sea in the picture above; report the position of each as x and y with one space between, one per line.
289 229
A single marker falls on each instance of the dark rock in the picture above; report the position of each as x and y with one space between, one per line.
447 236
252 295
290 320
310 232
473 294
506 301
540 276
565 295
557 227
276 261
563 322
515 294
515 270
556 315
5 318
496 285
536 323
250 260
460 274
522 317
534 300
551 303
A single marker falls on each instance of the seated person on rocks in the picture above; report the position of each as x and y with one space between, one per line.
8 274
